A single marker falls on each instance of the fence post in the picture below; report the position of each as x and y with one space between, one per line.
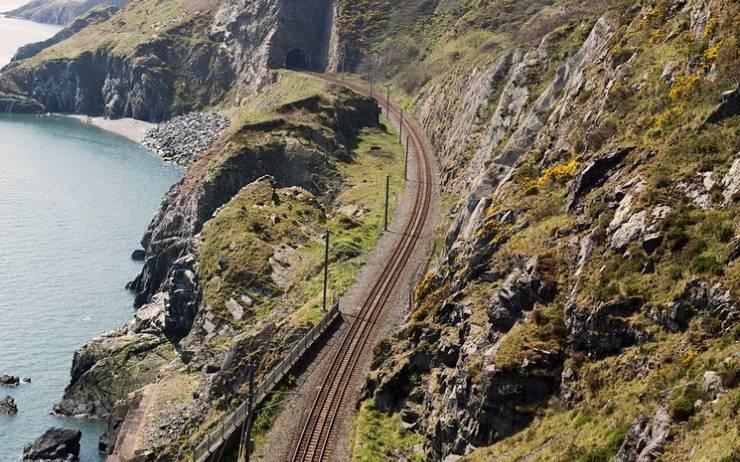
250 411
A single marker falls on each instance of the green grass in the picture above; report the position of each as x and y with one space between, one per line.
379 437
613 397
377 154
139 22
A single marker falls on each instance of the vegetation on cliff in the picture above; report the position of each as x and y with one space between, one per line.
584 301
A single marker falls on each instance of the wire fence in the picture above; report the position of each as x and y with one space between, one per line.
231 422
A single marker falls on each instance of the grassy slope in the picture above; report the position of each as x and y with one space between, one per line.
139 22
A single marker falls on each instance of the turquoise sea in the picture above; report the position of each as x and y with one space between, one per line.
74 202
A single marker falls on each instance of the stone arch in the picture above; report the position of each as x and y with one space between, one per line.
297 58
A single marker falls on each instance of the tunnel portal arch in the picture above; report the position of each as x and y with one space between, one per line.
297 59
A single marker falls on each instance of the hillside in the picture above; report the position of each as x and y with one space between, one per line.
582 300
583 304
60 12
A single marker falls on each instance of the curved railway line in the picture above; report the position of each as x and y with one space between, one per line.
318 435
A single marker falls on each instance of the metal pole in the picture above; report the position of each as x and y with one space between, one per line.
388 100
400 128
406 161
326 268
387 194
250 410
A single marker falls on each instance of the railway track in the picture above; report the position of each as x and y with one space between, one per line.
317 437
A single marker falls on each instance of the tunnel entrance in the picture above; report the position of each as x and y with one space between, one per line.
297 59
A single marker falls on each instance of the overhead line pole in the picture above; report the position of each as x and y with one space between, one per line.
326 268
400 128
387 194
406 161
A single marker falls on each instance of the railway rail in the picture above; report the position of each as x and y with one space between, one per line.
316 440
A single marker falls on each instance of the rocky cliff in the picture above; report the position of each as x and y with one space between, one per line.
233 263
153 60
584 303
60 12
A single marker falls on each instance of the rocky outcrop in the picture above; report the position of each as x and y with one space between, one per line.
184 139
729 107
534 154
8 406
646 437
95 16
171 335
162 76
698 297
9 380
60 12
55 445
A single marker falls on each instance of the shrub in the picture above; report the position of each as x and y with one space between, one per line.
558 173
667 117
707 264
681 407
683 86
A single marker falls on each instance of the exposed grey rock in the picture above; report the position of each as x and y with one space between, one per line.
604 330
8 406
55 445
646 437
712 383
138 255
9 380
184 138
731 181
698 296
523 288
729 107
630 231
595 172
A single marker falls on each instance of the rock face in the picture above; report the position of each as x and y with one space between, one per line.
645 439
568 259
56 445
184 138
8 406
245 39
60 12
286 165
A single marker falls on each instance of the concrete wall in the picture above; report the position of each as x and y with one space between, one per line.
304 24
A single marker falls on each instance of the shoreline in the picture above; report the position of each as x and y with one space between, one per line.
133 129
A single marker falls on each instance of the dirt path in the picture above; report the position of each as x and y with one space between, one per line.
279 442
131 435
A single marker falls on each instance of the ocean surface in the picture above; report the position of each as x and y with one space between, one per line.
74 202
15 32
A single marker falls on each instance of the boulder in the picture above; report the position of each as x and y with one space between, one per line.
56 445
731 182
9 380
729 107
645 439
8 406
712 383
138 255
